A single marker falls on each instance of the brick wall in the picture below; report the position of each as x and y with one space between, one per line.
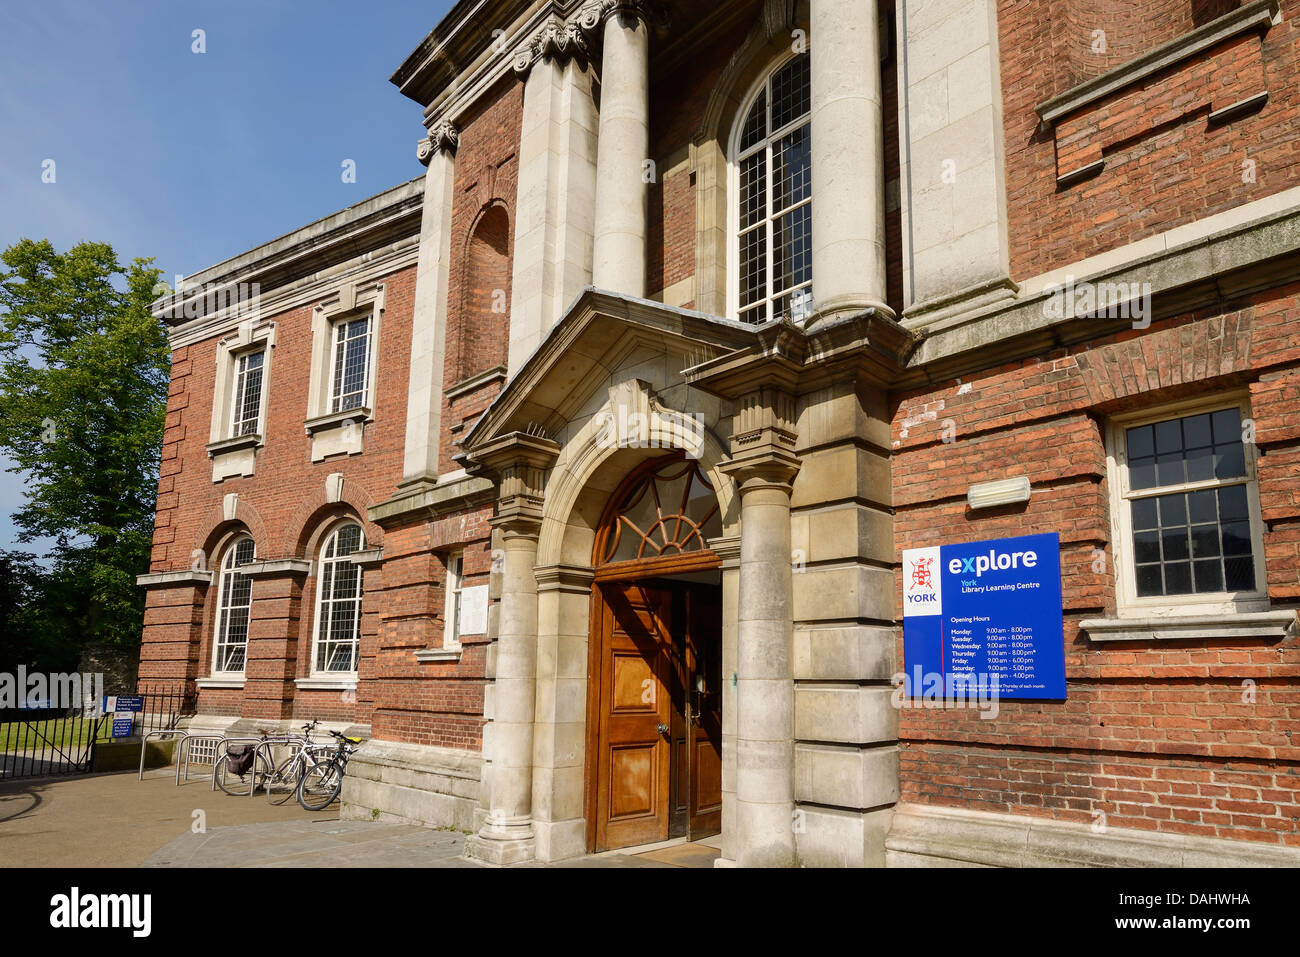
283 506
1156 735
1165 165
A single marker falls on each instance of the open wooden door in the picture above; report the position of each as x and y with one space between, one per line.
704 717
634 715
658 740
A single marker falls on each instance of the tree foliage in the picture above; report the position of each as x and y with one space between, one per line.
84 371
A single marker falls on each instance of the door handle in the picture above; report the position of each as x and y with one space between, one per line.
662 728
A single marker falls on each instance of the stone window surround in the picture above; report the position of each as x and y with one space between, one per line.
236 454
1139 613
335 433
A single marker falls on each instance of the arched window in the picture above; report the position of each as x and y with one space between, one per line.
234 600
338 603
669 510
772 211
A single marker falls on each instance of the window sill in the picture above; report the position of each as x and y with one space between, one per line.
425 655
233 444
335 420
328 683
338 433
235 456
1269 625
235 682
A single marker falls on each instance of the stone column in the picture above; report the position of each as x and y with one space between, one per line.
848 187
429 314
764 466
554 211
521 462
621 191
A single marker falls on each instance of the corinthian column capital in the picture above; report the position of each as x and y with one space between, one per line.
558 42
444 137
597 12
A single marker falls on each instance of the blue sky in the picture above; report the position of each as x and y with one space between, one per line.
191 158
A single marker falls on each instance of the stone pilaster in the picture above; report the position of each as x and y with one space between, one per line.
272 657
560 724
953 189
554 210
848 217
521 462
429 315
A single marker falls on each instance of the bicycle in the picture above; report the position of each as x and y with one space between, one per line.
320 785
282 783
256 759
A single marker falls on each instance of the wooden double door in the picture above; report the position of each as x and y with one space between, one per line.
656 730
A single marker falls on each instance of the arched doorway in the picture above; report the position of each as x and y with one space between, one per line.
654 714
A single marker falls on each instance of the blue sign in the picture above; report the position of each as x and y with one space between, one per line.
130 703
984 615
122 726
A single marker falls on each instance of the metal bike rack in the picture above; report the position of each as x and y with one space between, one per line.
186 748
184 736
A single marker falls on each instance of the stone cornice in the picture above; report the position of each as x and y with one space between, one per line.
380 222
306 291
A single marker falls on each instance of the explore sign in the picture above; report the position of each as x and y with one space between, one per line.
984 614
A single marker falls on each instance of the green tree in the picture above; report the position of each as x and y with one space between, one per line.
84 371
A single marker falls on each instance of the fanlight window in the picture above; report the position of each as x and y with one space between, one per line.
671 511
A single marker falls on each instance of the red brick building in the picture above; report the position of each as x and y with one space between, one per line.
578 473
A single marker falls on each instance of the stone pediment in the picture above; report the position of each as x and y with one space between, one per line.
600 334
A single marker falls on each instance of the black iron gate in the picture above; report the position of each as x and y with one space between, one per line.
39 743
57 742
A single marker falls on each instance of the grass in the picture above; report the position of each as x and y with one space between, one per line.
56 732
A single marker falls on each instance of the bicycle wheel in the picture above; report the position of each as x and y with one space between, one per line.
320 786
232 783
282 784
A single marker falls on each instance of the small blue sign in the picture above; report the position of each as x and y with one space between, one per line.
985 615
122 726
130 703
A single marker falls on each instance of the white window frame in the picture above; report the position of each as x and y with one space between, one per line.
321 562
335 395
733 189
452 614
240 371
225 577
1128 604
